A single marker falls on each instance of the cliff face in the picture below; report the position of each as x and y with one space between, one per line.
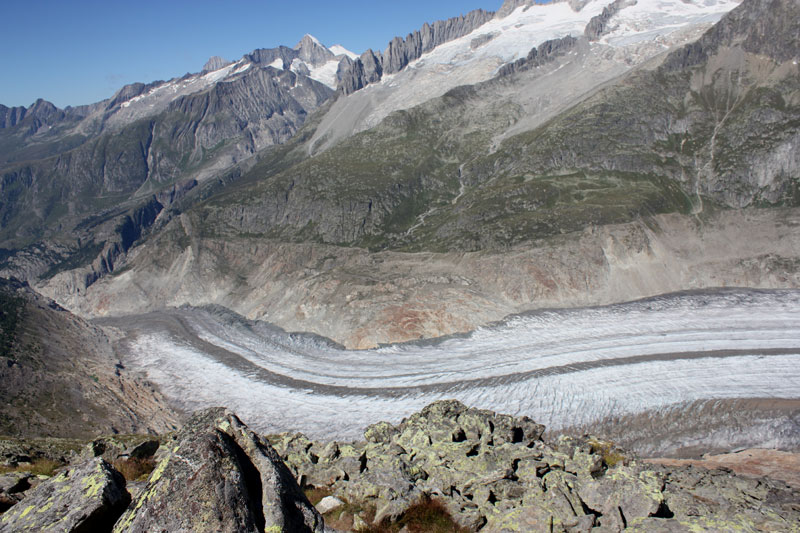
371 66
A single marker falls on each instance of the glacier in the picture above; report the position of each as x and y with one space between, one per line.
561 367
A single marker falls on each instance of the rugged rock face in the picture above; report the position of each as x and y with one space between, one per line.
312 52
86 497
371 66
495 474
220 476
540 55
40 114
599 24
215 63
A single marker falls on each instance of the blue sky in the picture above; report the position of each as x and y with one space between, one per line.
74 52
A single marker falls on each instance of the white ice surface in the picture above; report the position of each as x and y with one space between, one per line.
649 19
339 50
561 368
326 73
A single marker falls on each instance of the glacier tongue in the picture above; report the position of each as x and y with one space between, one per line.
562 368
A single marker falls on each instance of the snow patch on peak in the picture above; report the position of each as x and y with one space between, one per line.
306 38
326 73
278 63
340 50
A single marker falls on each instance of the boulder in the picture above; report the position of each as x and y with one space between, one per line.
220 476
89 496
328 504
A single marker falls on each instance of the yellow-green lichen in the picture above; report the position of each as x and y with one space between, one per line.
150 492
93 484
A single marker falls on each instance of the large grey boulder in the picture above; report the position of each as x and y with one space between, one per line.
220 476
87 497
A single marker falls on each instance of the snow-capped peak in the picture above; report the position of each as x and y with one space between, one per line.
308 38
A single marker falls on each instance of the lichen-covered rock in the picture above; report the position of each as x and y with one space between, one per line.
114 447
493 473
86 497
220 476
16 451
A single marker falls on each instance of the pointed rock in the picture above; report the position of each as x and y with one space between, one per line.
220 476
215 63
312 51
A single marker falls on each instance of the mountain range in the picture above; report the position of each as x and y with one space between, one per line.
570 153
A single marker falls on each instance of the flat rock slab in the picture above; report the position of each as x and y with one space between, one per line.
87 497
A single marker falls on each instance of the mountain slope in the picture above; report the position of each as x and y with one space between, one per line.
60 376
632 31
465 188
598 203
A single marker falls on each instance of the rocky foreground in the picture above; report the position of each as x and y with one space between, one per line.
447 468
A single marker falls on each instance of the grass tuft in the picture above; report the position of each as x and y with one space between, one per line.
315 494
135 468
427 515
39 467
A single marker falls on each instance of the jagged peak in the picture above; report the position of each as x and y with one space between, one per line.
215 63
310 50
308 40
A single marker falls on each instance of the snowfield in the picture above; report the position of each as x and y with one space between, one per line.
560 367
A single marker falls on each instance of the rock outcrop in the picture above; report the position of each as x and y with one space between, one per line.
494 473
220 476
472 469
215 63
371 66
86 497
540 55
599 24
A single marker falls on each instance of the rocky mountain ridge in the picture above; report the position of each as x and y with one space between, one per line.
371 66
651 206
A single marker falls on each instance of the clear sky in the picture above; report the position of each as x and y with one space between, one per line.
74 52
